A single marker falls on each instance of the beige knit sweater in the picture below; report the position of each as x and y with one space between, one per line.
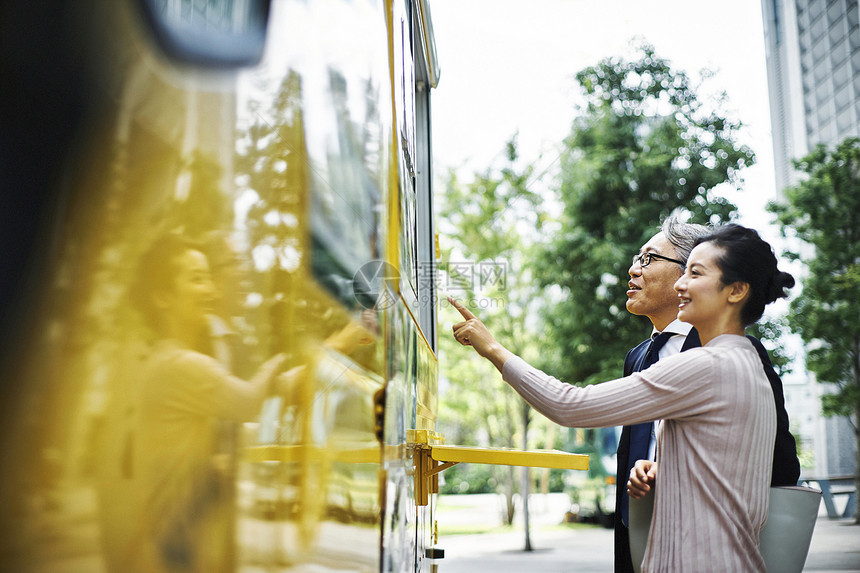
714 452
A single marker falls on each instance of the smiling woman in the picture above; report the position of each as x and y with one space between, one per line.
173 289
716 403
718 306
180 505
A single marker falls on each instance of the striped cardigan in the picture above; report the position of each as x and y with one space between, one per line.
714 452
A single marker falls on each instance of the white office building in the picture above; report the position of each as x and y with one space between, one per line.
813 67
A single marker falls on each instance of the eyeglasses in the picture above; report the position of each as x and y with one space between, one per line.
644 259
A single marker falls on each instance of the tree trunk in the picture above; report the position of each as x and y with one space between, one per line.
857 464
550 444
525 484
509 496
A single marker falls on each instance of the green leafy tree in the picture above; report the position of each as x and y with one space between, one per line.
770 331
489 230
645 146
823 211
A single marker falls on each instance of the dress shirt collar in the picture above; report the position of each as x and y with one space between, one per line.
675 327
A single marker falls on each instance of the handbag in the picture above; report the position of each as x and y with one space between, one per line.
783 541
639 513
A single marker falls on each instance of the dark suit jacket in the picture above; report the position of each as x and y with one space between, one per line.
786 468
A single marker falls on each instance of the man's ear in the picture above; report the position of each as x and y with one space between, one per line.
738 291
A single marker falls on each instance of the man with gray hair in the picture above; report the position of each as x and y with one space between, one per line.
659 263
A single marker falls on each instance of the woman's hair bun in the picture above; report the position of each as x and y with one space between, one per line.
781 281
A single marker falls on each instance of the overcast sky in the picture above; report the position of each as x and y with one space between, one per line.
509 65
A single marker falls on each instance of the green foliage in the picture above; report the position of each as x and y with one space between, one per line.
770 332
488 229
469 478
823 211
644 147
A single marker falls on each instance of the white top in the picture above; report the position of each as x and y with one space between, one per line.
181 395
679 330
715 450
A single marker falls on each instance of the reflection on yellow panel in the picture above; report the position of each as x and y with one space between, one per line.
218 370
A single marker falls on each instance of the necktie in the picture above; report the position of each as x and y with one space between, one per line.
640 434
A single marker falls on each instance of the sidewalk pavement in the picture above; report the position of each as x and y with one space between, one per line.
835 543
